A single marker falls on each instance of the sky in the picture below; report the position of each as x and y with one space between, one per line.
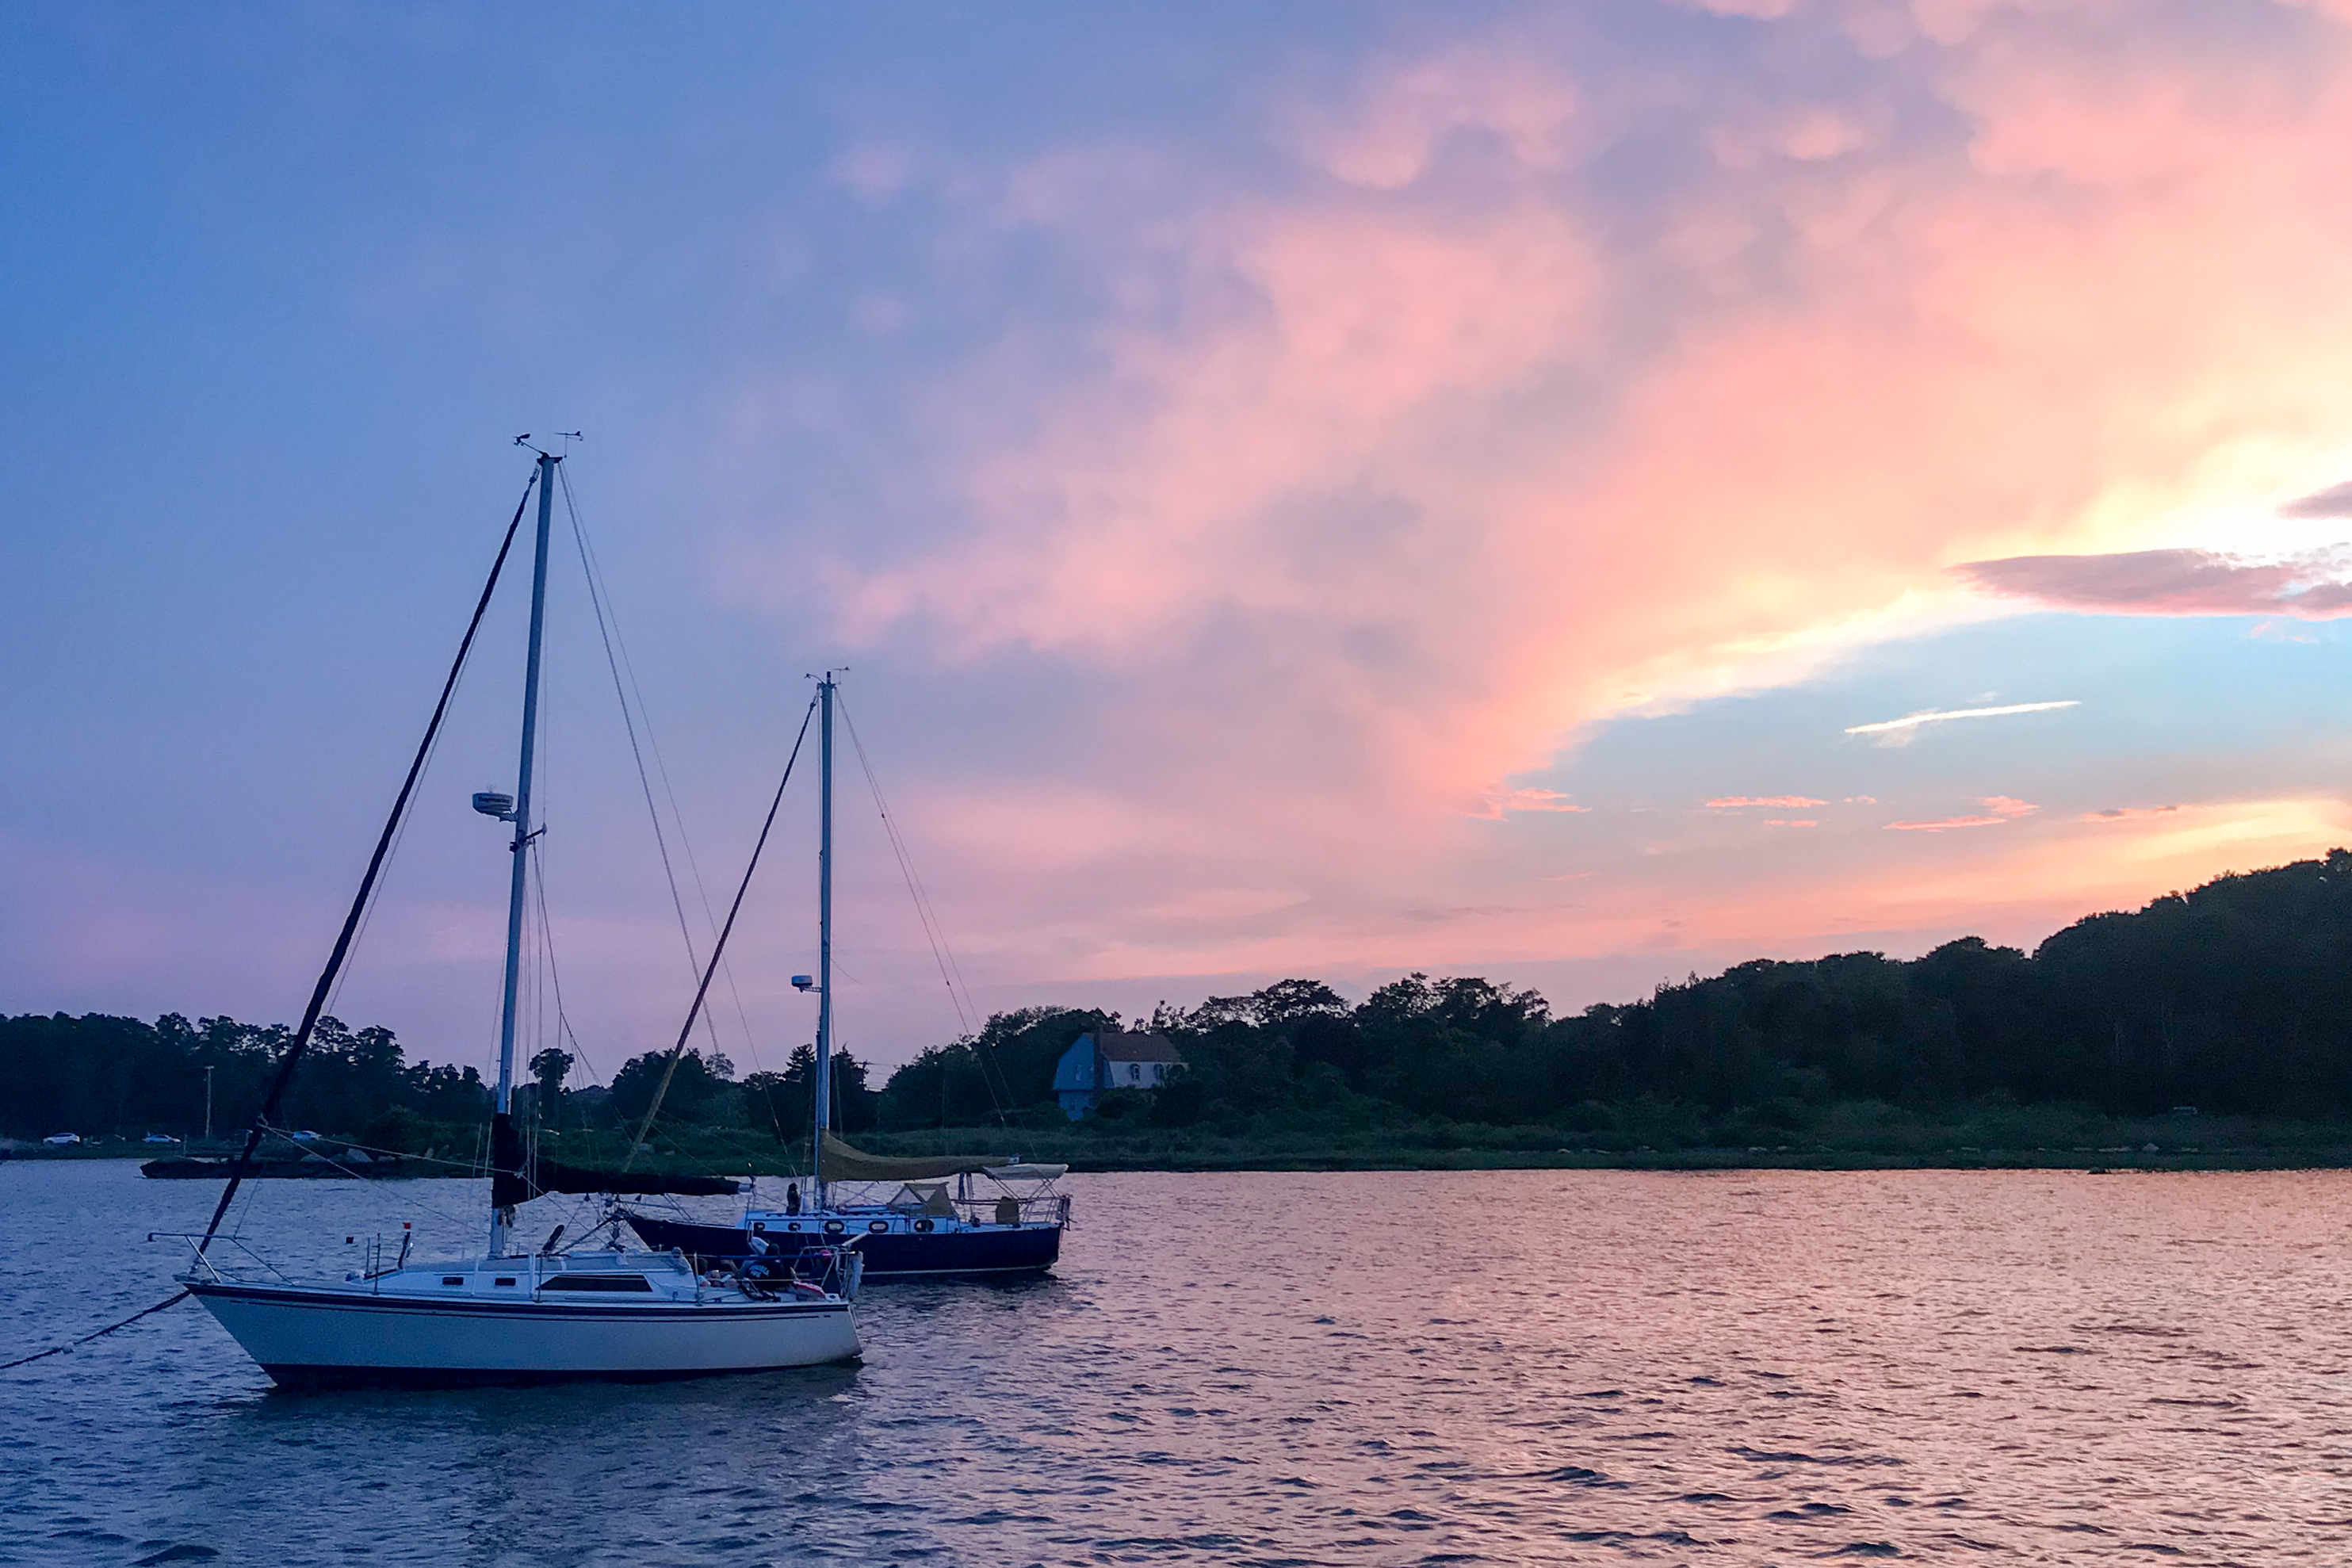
1579 494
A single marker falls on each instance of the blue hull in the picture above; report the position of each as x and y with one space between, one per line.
990 1252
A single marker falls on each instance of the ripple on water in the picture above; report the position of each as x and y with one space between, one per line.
1204 1382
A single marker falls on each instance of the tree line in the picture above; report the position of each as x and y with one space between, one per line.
2235 997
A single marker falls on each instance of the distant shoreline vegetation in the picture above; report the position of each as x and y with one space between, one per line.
2212 1028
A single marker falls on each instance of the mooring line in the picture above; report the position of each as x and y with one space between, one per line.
69 1344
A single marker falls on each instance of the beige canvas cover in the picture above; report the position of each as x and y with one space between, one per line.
842 1162
925 1198
1026 1172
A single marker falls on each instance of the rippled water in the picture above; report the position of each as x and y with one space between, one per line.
1507 1367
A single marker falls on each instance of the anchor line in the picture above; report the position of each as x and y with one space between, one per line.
69 1344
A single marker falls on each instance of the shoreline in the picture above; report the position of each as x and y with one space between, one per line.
2098 1162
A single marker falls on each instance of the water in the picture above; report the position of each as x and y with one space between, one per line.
1460 1368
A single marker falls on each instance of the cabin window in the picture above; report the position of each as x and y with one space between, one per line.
505 1280
610 1282
453 1279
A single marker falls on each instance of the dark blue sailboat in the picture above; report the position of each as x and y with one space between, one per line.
920 1218
961 1217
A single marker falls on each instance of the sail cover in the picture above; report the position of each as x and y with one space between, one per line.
516 1177
844 1163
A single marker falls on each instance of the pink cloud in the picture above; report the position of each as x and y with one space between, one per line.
2173 583
1516 800
1733 802
1800 822
1409 462
1998 808
2335 501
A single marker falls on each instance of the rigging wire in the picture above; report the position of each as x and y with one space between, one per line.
608 628
926 915
563 1020
719 952
319 994
934 930
353 922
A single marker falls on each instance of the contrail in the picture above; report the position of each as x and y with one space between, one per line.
1916 719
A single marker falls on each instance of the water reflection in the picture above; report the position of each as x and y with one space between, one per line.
1344 1369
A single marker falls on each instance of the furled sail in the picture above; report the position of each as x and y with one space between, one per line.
517 1176
841 1162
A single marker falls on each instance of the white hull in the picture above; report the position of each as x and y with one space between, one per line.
351 1334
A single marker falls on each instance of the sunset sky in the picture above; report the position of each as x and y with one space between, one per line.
1575 494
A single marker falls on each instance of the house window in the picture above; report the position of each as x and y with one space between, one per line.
1135 1072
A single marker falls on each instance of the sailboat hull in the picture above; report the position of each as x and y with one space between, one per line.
893 1255
310 1336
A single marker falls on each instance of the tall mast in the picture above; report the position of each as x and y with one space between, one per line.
823 1091
499 1218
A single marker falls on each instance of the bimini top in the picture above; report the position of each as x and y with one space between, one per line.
841 1162
1026 1172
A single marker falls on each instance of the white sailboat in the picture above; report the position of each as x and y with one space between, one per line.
510 1316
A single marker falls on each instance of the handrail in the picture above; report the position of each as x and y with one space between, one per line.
196 1245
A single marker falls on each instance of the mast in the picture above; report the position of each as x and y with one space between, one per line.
823 1094
502 1135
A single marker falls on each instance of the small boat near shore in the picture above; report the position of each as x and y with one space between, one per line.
355 1166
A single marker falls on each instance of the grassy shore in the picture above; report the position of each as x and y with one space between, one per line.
1850 1135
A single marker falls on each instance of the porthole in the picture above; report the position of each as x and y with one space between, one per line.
834 1227
878 1224
759 1227
923 1224
795 1224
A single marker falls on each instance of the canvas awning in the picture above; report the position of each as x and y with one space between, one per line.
841 1162
1025 1172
